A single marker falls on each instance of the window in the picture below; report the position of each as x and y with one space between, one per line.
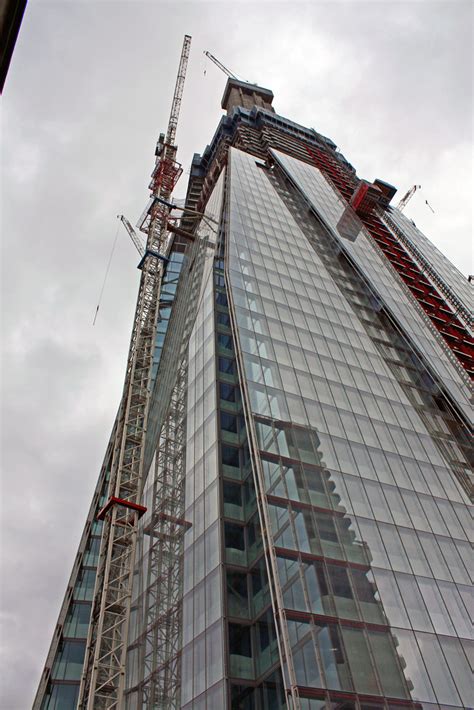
230 455
77 621
221 298
91 554
237 595
343 594
61 697
69 659
388 664
223 319
228 422
365 591
234 537
360 661
414 602
226 366
227 392
240 650
84 588
232 493
436 608
441 678
224 341
214 657
332 657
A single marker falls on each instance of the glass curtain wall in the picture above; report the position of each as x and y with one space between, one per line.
353 239
202 664
63 687
186 455
357 449
252 658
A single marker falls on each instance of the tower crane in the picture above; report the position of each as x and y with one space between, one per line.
407 197
219 64
103 679
132 234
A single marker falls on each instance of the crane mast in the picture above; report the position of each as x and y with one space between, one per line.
103 679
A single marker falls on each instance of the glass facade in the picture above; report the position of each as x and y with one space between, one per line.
69 643
177 582
352 237
203 634
354 456
167 295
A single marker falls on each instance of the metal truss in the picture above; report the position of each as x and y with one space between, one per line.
159 603
447 291
103 680
155 649
161 642
104 667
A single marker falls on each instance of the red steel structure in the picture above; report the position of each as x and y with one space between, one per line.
445 317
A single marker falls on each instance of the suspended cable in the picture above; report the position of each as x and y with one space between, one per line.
106 274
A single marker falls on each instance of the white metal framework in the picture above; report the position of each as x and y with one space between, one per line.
219 64
160 572
132 234
407 197
161 660
103 680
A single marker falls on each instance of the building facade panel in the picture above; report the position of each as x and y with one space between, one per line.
355 482
353 237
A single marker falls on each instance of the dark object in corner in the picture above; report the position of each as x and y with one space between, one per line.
11 15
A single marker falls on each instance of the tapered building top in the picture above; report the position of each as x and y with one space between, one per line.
241 93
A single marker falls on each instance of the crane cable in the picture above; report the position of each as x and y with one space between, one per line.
106 274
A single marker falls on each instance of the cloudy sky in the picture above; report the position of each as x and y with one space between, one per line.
88 91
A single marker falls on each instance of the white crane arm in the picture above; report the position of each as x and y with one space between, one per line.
133 235
220 65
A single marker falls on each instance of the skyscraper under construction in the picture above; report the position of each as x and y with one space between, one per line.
282 516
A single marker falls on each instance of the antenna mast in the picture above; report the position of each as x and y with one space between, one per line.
103 679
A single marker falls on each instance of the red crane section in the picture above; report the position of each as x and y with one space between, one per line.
431 299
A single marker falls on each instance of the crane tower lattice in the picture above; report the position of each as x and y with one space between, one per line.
103 680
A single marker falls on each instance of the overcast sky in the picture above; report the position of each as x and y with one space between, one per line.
88 91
